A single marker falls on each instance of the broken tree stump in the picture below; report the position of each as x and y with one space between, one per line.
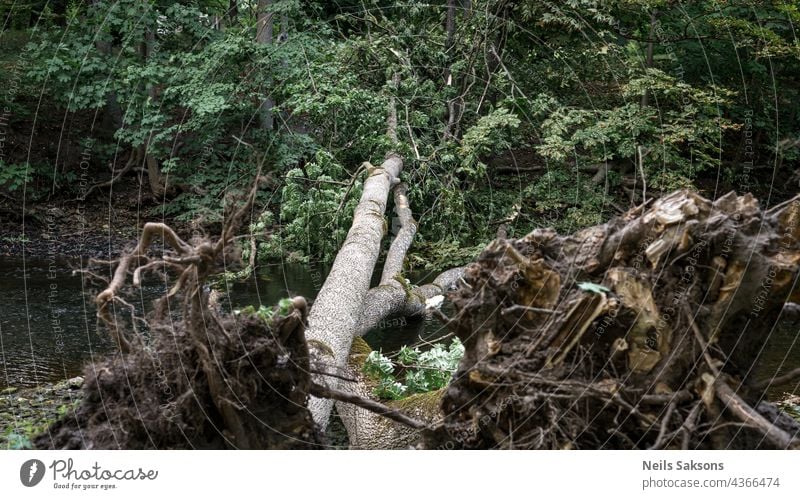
638 333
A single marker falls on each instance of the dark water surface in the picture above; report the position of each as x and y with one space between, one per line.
48 328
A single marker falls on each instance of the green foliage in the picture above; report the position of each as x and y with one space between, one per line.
16 441
265 313
485 137
21 437
567 200
14 176
421 371
314 202
791 406
390 389
591 287
682 134
36 180
570 84
377 365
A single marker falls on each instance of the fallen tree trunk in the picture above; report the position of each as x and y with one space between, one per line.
638 333
333 318
394 296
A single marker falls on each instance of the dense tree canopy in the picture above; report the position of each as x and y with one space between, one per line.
510 114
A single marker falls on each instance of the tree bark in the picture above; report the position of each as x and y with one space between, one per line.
393 299
334 316
157 181
264 31
649 56
112 117
233 11
452 109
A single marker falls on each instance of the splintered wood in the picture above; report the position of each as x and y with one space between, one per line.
638 333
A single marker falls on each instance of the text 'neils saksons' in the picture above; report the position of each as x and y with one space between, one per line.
664 465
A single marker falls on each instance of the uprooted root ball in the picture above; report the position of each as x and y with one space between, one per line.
239 383
639 333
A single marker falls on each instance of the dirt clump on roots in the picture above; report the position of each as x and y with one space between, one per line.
638 333
159 397
190 375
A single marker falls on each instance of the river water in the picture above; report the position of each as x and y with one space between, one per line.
48 328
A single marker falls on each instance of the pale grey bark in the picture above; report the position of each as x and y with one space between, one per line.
346 306
392 299
402 241
334 316
368 430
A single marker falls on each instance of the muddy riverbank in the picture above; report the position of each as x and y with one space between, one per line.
26 412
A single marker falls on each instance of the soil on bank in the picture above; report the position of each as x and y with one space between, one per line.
27 412
63 227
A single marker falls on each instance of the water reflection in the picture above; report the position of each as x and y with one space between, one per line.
48 328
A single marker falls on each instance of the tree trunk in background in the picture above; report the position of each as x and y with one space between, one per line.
649 55
233 11
112 117
264 30
282 38
264 26
450 23
158 183
452 105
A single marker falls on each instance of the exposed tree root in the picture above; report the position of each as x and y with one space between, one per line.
639 333
656 352
244 386
203 379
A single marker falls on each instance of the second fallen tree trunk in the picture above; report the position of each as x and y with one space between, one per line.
346 307
334 317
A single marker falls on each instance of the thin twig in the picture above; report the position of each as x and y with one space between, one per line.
739 408
368 404
662 432
777 380
523 308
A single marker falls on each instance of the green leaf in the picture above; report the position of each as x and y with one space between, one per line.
593 288
377 366
408 355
